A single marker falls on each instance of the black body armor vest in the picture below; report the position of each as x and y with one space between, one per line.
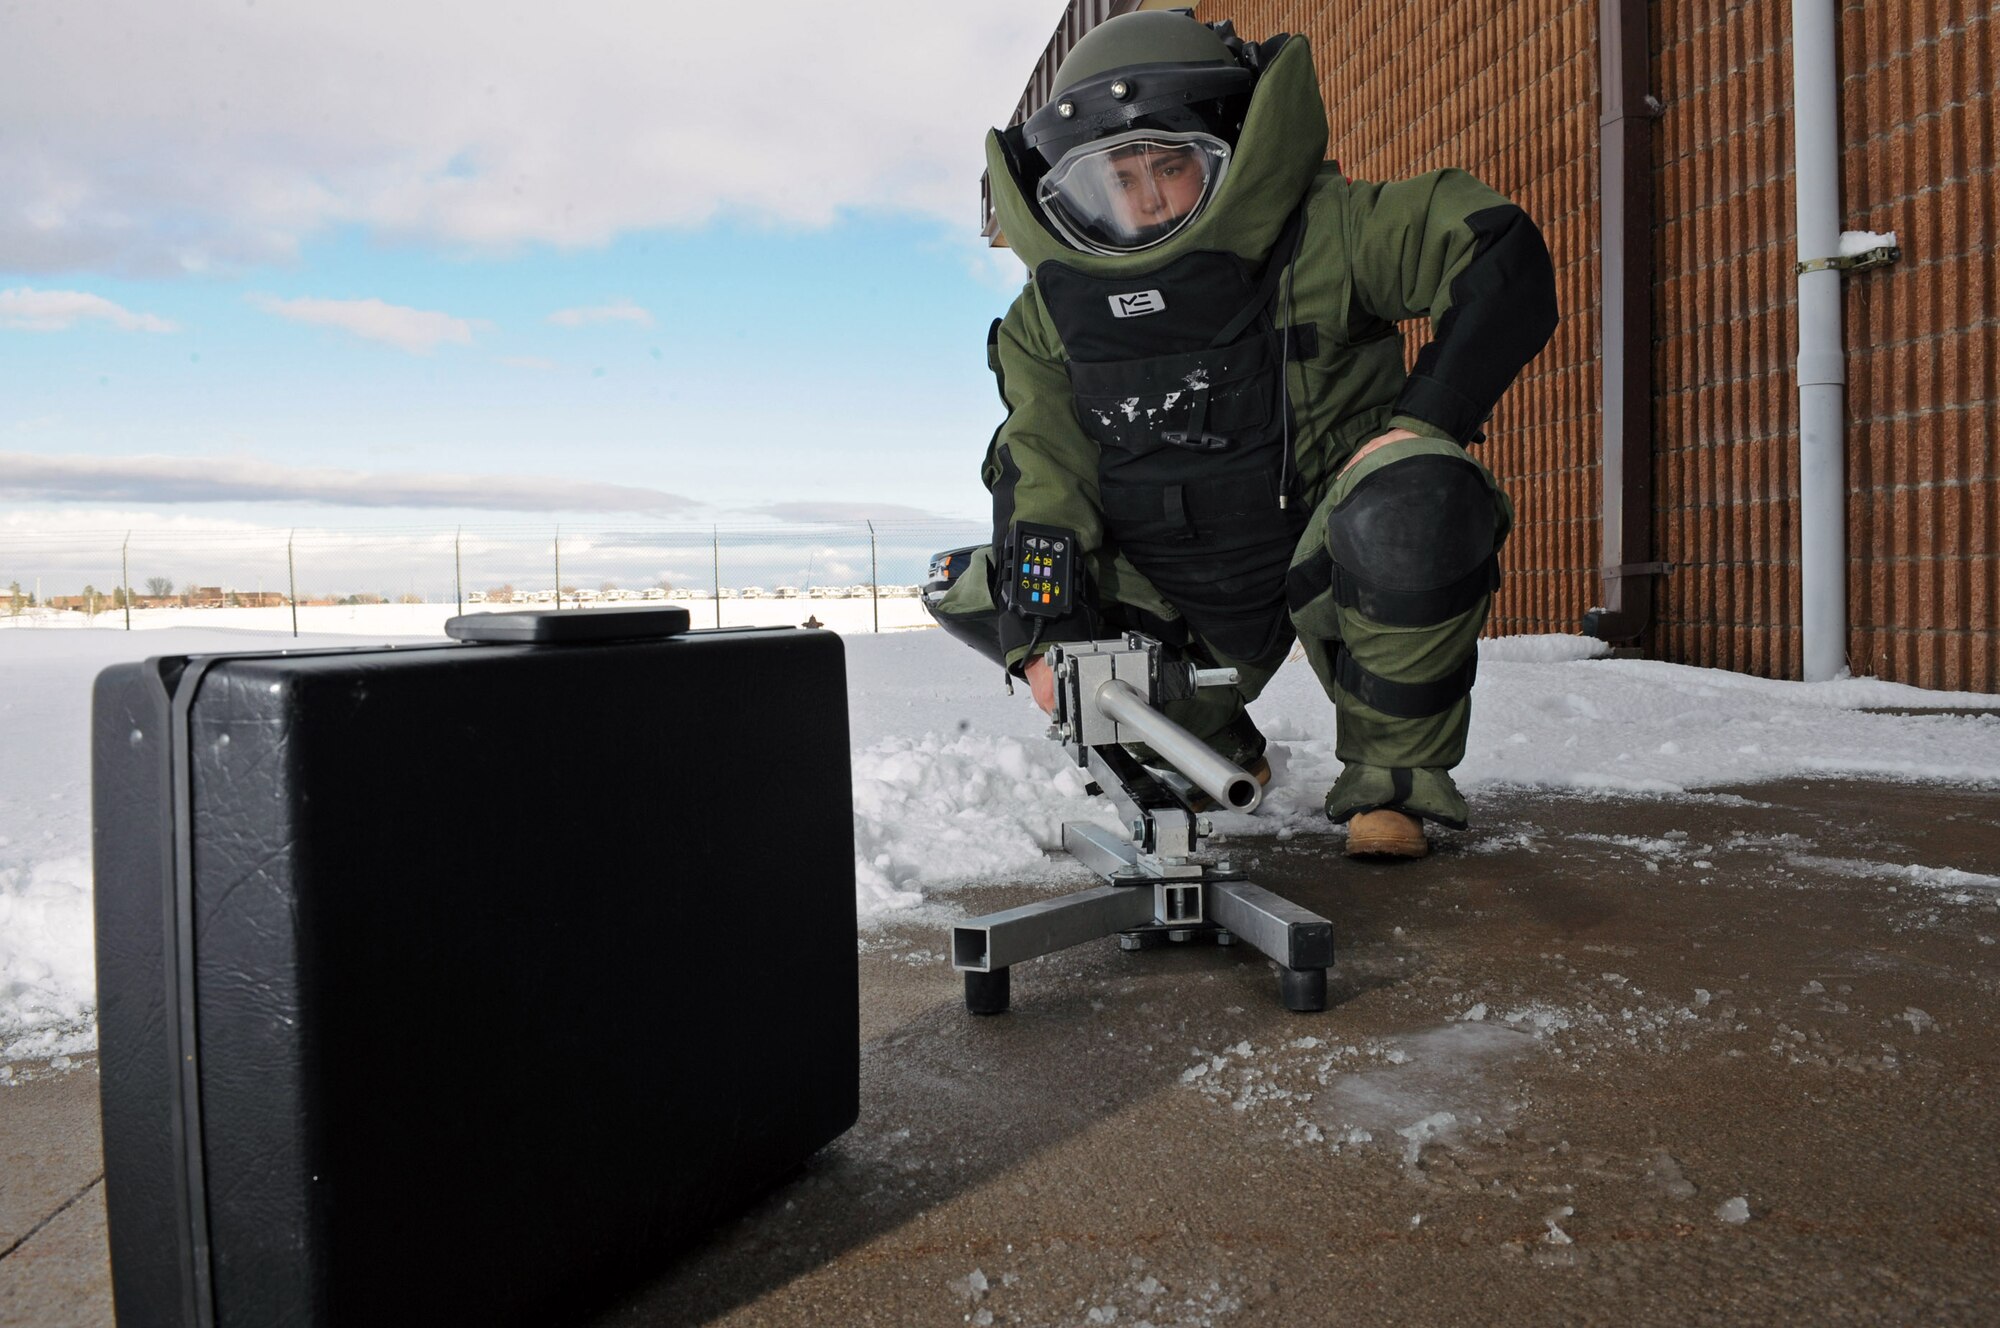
1178 375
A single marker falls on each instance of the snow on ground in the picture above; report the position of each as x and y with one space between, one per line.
893 612
954 783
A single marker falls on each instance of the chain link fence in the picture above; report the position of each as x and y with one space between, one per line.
734 575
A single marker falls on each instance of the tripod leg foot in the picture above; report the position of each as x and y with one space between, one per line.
989 993
1303 989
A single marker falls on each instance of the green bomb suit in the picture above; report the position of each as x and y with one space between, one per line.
1207 496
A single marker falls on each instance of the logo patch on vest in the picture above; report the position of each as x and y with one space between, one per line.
1138 303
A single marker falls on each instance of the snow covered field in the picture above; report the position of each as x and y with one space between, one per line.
894 612
954 784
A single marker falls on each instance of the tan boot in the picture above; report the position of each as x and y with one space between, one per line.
1385 834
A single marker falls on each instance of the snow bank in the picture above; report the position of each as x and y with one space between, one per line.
47 978
1554 648
956 785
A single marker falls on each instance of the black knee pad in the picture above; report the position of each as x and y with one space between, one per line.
1414 543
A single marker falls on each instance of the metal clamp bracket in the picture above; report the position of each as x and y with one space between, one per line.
1881 256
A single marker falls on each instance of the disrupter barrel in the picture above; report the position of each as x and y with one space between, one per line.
1230 785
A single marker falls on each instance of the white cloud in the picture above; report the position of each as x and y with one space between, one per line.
163 479
813 513
998 269
210 133
618 311
59 310
90 522
419 331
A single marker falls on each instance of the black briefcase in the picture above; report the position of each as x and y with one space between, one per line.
461 983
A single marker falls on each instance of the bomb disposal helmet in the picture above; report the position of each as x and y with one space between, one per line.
1139 134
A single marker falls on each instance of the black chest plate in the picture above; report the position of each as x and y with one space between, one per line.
1145 367
1104 319
1176 376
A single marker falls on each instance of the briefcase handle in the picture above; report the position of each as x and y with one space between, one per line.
558 627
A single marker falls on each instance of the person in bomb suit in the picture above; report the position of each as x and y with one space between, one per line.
1205 388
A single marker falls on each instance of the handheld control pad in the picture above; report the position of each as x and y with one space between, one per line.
1041 581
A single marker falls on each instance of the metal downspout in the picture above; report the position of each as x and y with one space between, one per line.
1822 363
1625 253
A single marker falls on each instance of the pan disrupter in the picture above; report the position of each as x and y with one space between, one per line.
1159 887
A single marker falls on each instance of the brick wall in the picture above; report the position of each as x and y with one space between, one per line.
1726 393
1509 91
1923 341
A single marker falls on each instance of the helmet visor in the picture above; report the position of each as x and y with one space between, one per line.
1126 193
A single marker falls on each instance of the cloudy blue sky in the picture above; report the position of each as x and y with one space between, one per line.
369 262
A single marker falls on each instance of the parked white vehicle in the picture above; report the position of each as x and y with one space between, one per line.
785 592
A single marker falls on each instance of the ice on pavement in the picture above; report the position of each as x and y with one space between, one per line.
1911 873
1418 1133
1435 1086
955 783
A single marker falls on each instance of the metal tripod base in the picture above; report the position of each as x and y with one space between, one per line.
1141 903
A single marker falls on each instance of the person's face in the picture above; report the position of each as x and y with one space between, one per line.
1153 186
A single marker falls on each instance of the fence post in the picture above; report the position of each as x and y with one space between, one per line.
458 568
715 554
558 569
874 580
292 579
125 576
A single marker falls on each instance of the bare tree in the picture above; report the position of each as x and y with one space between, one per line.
159 586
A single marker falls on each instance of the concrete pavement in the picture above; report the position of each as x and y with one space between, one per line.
1716 1059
